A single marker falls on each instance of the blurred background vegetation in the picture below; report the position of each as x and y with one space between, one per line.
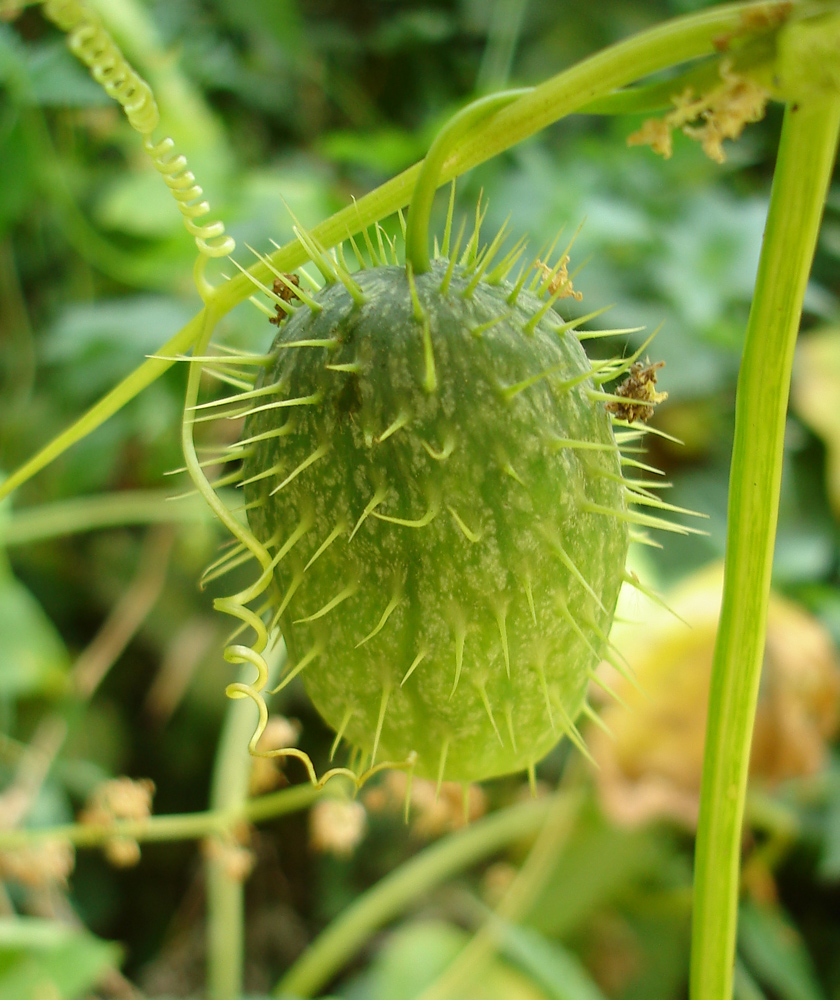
111 660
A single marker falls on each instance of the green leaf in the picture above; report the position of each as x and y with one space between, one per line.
57 79
93 344
417 954
33 658
43 957
556 969
744 986
600 863
116 206
774 951
385 150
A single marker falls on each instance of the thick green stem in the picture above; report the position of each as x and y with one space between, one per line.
803 172
389 897
225 886
428 180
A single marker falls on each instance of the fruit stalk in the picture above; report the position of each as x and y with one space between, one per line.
428 180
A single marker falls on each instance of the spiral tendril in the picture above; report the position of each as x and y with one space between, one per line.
241 606
90 42
209 237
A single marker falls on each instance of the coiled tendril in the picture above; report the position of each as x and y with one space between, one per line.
252 605
91 43
209 237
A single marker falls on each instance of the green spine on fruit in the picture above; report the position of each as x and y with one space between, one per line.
448 574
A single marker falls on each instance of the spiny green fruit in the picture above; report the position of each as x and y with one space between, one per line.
438 478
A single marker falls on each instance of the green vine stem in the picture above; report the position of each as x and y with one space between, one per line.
177 826
428 180
113 401
666 45
803 172
102 510
225 887
389 897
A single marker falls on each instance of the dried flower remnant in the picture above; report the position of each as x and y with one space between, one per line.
337 826
497 881
724 112
120 799
122 852
754 21
38 866
639 389
559 282
651 765
284 286
432 810
237 860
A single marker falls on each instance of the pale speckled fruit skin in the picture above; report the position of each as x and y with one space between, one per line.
507 483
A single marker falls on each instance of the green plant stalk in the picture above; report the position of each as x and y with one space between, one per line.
666 45
394 893
803 172
122 393
102 510
225 890
178 826
661 47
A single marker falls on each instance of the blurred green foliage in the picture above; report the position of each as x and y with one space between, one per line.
311 102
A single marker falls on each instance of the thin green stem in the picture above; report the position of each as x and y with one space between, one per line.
111 402
103 510
803 171
428 180
225 886
178 826
397 891
666 45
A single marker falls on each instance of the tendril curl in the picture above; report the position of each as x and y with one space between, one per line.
210 237
240 606
90 42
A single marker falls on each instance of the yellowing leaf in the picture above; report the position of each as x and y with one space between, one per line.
652 766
